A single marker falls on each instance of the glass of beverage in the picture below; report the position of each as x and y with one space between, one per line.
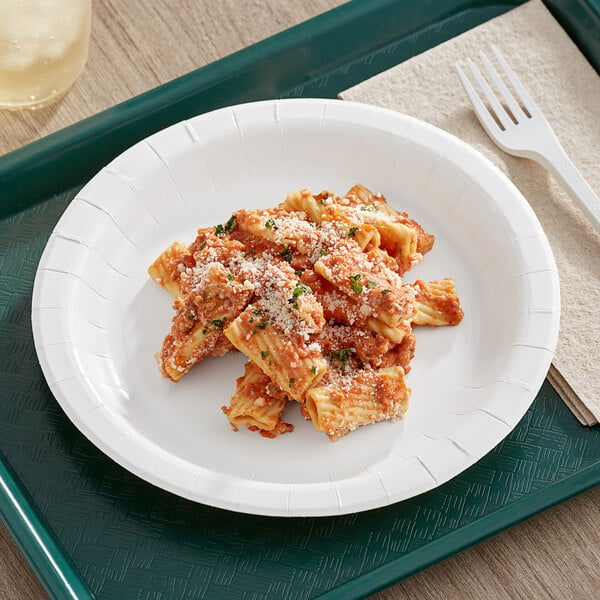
43 49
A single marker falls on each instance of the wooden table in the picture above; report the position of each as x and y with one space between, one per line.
139 44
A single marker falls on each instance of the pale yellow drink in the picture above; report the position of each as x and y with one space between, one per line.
43 49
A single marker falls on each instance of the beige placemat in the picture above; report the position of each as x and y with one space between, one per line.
567 89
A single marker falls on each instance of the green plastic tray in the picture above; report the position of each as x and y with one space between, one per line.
89 528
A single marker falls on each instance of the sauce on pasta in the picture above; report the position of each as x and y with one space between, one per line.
312 291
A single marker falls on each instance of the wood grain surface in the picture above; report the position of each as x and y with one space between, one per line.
139 44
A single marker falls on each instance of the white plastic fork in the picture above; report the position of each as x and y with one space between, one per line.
525 133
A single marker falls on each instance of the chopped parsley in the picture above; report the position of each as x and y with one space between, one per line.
300 289
386 291
218 323
230 276
270 224
286 253
313 369
356 287
352 231
371 284
291 381
368 208
323 251
221 230
257 313
323 196
258 326
202 244
342 355
264 354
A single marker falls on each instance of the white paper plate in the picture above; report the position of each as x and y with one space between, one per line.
98 319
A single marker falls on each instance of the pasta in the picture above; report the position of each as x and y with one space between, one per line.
285 357
436 303
368 396
165 269
257 404
312 293
198 325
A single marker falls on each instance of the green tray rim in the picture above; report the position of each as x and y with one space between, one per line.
19 512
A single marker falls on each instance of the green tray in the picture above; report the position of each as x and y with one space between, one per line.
89 528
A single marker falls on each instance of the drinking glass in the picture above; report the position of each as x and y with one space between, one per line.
43 49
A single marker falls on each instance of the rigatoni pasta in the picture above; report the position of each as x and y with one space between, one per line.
165 269
257 404
201 316
312 293
436 303
365 396
286 357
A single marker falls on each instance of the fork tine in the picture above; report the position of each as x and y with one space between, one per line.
514 108
496 107
525 98
483 114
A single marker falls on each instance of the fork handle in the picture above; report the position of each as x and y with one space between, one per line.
555 159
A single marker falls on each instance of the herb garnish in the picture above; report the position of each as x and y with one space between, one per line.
286 253
221 230
342 355
356 287
300 289
218 323
258 326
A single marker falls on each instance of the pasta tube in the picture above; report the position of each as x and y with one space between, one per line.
287 359
367 281
437 303
367 198
292 229
165 269
199 320
367 396
339 308
253 406
304 201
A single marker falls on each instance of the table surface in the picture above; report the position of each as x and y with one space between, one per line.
139 44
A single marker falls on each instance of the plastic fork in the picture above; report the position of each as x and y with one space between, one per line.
519 128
